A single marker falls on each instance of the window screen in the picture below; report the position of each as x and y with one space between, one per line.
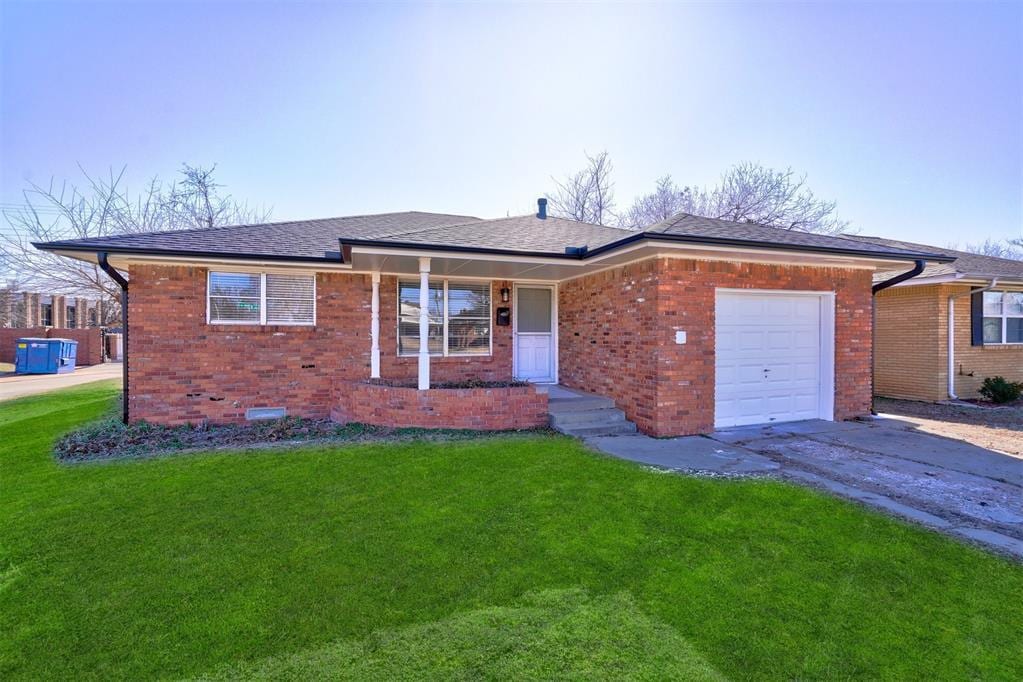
534 315
256 298
290 299
468 318
459 318
408 318
1003 317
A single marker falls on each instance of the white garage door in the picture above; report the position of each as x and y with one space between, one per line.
768 354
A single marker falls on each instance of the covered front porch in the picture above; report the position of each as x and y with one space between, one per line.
437 325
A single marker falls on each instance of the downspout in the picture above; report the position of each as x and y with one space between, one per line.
101 258
951 333
918 267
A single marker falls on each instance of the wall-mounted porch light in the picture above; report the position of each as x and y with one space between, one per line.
505 294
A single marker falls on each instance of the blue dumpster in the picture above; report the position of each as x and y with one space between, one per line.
45 356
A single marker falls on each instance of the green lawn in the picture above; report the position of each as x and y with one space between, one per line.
497 559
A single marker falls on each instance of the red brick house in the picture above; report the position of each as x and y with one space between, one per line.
690 325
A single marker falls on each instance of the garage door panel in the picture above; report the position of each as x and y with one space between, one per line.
767 358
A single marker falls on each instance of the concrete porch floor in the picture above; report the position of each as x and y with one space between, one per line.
944 484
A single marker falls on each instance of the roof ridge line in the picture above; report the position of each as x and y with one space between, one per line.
437 227
494 220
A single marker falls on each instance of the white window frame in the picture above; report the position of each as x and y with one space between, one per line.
1004 317
444 351
262 298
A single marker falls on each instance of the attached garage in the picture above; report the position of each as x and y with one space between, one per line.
774 356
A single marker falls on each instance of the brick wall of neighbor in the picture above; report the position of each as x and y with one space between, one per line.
488 409
912 346
184 370
911 343
974 363
617 336
90 346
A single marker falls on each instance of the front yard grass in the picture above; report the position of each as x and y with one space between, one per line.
525 557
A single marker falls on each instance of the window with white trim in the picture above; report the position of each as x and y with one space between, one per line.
1003 317
261 298
459 314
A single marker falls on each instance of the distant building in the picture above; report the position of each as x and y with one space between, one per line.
22 309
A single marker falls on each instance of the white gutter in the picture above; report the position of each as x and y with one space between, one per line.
951 333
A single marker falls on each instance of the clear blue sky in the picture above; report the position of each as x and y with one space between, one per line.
910 115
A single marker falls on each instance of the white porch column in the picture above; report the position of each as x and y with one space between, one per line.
374 330
424 323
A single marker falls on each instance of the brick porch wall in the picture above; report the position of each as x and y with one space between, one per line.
184 370
484 409
974 363
617 333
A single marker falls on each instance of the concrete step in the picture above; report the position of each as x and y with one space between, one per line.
606 415
589 430
561 405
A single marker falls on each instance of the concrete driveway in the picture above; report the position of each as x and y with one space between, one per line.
945 484
21 385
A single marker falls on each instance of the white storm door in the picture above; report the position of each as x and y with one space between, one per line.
768 358
534 333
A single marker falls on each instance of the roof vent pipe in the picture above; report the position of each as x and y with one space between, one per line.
541 205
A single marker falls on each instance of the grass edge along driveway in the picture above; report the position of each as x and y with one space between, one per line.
193 565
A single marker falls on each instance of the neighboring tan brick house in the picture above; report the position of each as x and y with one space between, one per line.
914 357
690 325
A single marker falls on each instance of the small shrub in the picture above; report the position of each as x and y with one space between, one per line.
1000 390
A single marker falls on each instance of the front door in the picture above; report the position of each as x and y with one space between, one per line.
534 333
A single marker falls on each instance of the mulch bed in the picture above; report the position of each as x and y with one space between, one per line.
110 439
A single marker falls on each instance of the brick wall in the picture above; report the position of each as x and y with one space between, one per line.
912 346
911 343
607 332
90 347
489 409
974 363
617 336
184 370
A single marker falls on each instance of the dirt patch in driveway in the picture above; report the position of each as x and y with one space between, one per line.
957 496
998 429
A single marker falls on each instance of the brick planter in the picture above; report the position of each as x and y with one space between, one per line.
484 409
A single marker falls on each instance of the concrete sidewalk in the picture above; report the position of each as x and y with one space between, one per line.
941 483
21 385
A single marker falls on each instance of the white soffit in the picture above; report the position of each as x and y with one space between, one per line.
510 267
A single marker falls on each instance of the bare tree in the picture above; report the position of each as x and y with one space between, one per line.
103 207
1007 248
588 195
666 200
746 193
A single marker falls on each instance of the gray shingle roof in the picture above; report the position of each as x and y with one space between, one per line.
297 238
525 233
319 239
966 264
688 225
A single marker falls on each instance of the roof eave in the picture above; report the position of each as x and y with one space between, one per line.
345 244
751 243
181 253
